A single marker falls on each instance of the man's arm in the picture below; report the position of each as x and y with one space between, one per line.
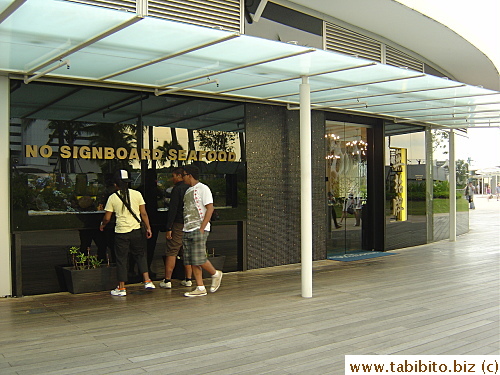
105 220
145 218
208 216
173 207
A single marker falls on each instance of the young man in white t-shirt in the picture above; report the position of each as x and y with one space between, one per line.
198 209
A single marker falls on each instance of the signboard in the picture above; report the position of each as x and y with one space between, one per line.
399 172
88 152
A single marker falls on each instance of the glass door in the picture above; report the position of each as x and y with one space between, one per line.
346 171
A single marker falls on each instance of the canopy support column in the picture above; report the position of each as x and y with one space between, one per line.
429 185
453 190
305 188
5 238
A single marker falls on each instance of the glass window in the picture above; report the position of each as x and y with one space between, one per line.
405 175
67 142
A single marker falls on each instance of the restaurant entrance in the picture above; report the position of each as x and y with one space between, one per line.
347 188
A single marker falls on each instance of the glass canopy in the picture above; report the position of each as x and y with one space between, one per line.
61 40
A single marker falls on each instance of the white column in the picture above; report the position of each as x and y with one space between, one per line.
5 250
429 183
453 191
305 188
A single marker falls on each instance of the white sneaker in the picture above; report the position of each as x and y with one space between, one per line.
216 279
149 285
196 293
119 292
165 284
187 283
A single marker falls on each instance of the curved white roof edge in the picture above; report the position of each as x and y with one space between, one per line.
390 21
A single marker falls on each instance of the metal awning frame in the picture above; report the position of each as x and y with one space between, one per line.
170 56
9 10
296 78
89 42
350 86
368 90
429 108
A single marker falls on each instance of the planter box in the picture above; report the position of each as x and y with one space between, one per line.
60 276
92 280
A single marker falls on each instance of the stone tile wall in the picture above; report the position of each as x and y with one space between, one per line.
273 186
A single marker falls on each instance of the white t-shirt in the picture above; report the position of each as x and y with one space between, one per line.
125 222
195 200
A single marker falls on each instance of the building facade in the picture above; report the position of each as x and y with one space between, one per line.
160 84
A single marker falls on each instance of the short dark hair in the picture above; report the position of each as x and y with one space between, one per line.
193 170
178 170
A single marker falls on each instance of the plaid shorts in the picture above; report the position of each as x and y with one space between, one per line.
194 245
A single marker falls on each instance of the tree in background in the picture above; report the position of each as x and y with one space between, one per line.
216 140
115 136
462 172
67 132
440 139
167 146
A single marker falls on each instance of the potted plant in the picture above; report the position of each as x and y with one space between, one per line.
87 273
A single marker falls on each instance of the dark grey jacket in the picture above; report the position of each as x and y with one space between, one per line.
176 207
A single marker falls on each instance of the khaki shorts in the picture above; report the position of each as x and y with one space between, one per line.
174 245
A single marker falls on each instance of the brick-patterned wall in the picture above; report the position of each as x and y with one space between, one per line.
273 186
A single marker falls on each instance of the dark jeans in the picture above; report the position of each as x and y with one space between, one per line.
103 240
134 243
150 246
99 238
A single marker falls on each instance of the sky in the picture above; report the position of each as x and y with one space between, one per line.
478 22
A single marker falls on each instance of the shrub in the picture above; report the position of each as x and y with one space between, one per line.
83 261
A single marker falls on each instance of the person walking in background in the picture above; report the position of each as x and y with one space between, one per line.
497 190
151 193
128 204
175 223
352 206
198 209
109 231
469 193
331 205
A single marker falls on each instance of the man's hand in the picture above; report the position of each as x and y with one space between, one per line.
168 235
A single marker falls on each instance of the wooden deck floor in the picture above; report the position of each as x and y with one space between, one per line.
441 298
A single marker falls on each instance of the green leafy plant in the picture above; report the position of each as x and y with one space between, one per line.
82 261
441 189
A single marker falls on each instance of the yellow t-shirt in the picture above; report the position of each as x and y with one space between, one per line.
125 222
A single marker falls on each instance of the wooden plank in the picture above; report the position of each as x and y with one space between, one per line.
440 298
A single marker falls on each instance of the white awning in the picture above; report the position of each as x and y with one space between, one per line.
42 39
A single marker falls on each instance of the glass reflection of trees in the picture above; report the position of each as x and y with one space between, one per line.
64 189
115 136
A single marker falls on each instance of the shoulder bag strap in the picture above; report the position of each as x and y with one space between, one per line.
128 206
